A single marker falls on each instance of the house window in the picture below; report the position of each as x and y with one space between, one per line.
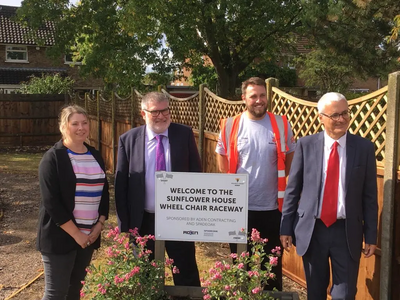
16 53
290 62
69 60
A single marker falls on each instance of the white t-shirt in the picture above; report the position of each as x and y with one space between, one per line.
258 157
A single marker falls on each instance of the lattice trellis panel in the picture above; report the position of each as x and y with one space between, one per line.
184 110
368 116
138 100
78 100
368 113
302 115
123 107
91 102
218 108
368 119
105 107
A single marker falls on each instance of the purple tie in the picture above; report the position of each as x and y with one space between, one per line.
160 157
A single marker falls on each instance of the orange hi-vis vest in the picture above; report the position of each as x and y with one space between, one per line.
229 135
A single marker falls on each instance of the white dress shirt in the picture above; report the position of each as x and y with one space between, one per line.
150 165
328 143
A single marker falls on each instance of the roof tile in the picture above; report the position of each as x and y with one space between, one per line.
12 32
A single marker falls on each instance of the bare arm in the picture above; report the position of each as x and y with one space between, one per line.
222 161
288 163
96 229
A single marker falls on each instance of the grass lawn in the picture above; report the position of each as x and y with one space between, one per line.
20 162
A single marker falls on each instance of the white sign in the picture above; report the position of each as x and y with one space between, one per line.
201 207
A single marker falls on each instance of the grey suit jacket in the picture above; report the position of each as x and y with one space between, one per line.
303 191
130 173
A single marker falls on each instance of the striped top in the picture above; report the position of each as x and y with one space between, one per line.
89 188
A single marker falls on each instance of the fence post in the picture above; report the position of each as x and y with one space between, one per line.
113 130
98 122
390 178
202 121
159 255
270 82
133 105
86 101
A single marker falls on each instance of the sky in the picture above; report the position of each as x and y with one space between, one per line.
11 2
18 2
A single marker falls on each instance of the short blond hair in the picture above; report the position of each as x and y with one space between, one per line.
66 113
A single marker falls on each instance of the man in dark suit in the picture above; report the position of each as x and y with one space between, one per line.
331 202
138 160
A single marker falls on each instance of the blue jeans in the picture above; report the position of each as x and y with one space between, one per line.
64 273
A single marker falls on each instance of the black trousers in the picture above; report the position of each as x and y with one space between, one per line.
268 224
183 254
63 273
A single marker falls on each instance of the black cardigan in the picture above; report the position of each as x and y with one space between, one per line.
57 188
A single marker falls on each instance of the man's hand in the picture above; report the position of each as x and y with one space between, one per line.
369 250
286 241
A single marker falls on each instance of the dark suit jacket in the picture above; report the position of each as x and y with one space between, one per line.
57 188
302 196
130 174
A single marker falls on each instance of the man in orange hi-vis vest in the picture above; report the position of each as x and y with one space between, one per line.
260 144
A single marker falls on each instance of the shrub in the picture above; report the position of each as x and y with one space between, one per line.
128 273
235 281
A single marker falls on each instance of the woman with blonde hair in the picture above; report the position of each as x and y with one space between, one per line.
74 206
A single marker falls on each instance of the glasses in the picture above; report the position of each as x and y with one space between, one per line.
156 113
336 116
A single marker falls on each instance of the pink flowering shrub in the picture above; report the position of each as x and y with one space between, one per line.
128 272
232 281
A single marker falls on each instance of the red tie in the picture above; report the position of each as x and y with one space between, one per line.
330 200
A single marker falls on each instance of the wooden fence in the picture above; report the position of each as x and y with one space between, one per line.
29 119
374 116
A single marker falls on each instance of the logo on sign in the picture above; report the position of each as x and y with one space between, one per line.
190 232
163 177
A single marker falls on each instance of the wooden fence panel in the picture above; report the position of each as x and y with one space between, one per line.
93 128
29 119
210 157
106 149
121 128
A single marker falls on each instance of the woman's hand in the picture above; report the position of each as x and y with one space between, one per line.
79 237
82 239
95 233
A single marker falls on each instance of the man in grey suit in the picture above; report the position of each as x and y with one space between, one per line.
138 152
330 203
